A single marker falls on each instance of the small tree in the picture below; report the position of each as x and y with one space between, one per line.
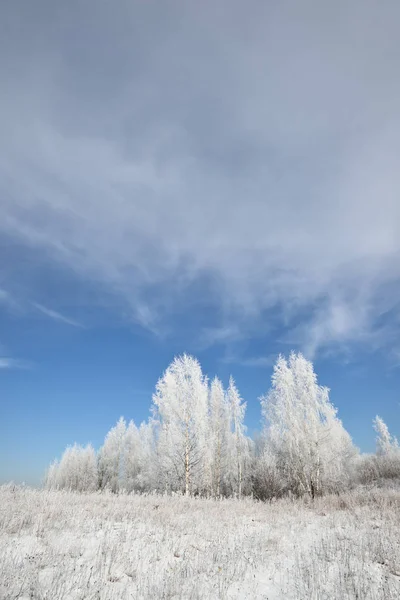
267 482
220 420
387 459
385 443
147 477
131 455
51 476
111 458
240 444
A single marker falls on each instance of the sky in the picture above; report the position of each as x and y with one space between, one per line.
218 178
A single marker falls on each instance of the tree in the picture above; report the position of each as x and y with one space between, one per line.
386 463
303 433
131 454
385 442
147 477
239 442
265 477
111 458
88 469
180 409
75 471
51 475
220 419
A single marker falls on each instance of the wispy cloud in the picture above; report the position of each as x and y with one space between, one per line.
56 316
252 158
8 300
13 363
4 296
223 335
259 361
263 361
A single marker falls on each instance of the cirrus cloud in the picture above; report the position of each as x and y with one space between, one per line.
250 146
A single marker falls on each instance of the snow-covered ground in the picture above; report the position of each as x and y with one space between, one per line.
62 545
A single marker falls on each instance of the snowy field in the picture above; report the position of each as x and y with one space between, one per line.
62 545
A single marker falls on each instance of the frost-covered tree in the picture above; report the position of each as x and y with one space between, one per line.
219 435
266 480
181 411
51 475
386 463
239 442
139 469
147 477
88 473
76 470
111 458
131 458
385 442
303 434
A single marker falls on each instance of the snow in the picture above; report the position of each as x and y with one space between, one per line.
70 546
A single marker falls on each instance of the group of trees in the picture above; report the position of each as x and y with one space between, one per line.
195 441
199 434
305 444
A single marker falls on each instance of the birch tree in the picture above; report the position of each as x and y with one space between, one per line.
239 441
220 420
385 442
147 477
111 458
387 459
180 408
132 458
302 430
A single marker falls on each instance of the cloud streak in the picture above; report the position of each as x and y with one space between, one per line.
252 148
13 363
251 361
56 316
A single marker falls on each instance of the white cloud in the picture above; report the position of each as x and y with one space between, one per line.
56 316
13 363
224 335
259 361
251 361
253 147
6 299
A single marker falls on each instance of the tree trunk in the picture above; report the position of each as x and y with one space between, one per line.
239 466
187 464
219 467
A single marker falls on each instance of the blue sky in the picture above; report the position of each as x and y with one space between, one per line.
183 176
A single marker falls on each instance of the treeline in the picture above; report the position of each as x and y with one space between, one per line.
195 442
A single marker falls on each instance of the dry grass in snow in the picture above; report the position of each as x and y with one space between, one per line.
62 545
